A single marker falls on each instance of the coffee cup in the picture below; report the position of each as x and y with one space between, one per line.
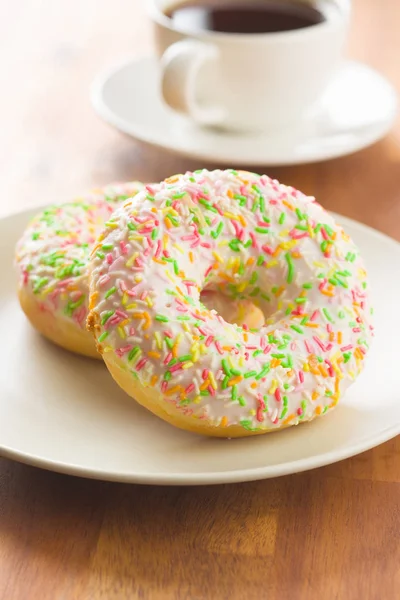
243 72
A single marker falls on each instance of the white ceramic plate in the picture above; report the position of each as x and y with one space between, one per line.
358 109
64 413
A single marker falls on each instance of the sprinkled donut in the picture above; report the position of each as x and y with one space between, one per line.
52 258
253 239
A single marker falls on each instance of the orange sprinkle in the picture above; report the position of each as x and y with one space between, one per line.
296 255
245 337
277 251
230 194
242 221
173 390
95 249
326 293
323 371
235 381
288 419
253 385
331 336
157 260
286 203
154 380
138 315
250 261
205 385
168 223
312 325
154 210
93 300
318 410
275 362
224 422
226 277
279 291
314 395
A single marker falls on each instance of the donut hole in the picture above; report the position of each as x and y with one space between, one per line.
239 312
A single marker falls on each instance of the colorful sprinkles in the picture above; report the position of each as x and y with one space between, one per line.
249 237
53 254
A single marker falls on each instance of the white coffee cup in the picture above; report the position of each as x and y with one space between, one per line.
248 82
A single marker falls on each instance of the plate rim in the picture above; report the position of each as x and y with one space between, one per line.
109 116
219 477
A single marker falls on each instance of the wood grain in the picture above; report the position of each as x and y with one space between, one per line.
329 534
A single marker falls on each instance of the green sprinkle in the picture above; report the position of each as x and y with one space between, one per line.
100 255
35 236
110 292
225 382
233 245
301 300
247 425
204 393
236 372
260 261
170 343
225 366
282 218
263 372
328 230
172 362
107 316
178 195
347 356
39 284
261 230
279 356
304 321
324 245
317 228
134 352
299 214
107 247
131 226
250 374
154 233
242 401
240 197
255 292
303 405
265 297
234 392
262 203
103 336
297 328
327 315
176 267
307 286
162 318
253 278
257 353
290 264
185 358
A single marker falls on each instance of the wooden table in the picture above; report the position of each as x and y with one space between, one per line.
328 534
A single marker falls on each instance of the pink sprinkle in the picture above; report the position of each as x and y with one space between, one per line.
299 411
195 243
209 340
211 390
278 395
104 279
121 314
168 334
318 341
202 331
301 376
141 364
189 388
218 347
356 329
121 351
330 368
208 271
328 347
253 240
314 315
324 234
268 250
132 331
164 386
205 374
124 247
322 285
176 367
267 349
346 348
309 347
109 258
246 356
158 251
168 358
329 328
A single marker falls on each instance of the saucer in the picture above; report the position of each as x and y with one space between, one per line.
357 109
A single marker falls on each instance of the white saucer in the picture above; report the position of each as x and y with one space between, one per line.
357 110
64 413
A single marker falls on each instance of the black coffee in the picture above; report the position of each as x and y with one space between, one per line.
262 16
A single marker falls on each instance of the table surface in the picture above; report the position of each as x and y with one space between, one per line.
328 534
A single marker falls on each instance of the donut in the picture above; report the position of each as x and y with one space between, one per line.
52 258
254 239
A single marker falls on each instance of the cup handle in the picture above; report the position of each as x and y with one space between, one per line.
180 67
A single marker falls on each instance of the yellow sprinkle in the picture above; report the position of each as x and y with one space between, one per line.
242 221
235 380
212 380
112 225
195 356
306 367
191 257
231 216
179 248
138 278
185 327
271 263
158 339
197 400
224 422
121 333
252 412
149 302
124 299
273 387
131 306
165 240
187 365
